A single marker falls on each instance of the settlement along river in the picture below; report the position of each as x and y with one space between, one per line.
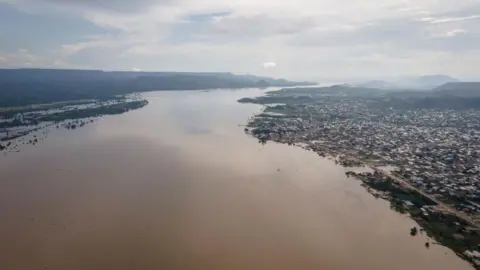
179 185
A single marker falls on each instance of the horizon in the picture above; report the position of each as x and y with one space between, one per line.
320 81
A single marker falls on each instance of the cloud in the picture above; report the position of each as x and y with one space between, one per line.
449 19
269 65
309 37
118 6
25 58
455 32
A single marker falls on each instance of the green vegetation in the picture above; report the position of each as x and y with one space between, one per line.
117 108
447 229
45 106
70 119
376 98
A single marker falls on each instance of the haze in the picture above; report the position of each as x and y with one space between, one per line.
303 39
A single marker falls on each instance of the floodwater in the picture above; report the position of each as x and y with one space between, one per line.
178 185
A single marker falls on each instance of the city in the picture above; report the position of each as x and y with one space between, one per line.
430 151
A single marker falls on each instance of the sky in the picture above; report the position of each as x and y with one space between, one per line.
301 39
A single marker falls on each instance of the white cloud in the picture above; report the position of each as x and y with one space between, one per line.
269 65
309 37
449 19
22 58
455 32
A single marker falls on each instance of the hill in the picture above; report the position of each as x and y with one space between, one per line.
380 84
413 83
465 89
432 81
20 87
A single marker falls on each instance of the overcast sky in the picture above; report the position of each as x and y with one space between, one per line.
298 39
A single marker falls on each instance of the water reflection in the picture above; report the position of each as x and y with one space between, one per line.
178 185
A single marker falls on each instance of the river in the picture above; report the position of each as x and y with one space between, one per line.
179 185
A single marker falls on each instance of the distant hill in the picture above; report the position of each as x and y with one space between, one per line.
432 81
414 83
462 89
376 84
19 87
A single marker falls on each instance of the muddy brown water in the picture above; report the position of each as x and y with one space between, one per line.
178 185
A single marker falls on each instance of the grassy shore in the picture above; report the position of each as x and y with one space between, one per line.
45 106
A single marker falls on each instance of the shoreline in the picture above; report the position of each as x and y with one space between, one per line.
22 125
431 232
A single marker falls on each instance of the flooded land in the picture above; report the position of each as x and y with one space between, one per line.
17 122
178 184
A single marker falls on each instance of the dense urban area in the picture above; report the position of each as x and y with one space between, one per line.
422 150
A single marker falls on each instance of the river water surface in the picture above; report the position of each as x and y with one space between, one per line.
179 185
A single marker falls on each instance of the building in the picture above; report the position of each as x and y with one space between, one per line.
19 117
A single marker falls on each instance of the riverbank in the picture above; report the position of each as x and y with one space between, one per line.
66 115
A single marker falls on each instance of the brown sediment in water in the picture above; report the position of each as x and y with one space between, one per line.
178 185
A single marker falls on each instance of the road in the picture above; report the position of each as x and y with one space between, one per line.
447 207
